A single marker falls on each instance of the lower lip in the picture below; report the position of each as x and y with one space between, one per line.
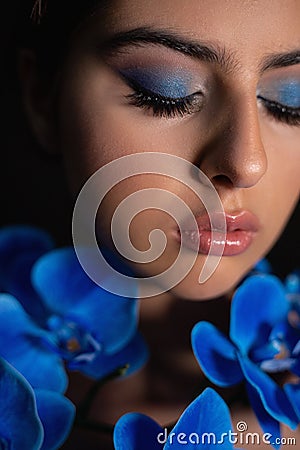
231 244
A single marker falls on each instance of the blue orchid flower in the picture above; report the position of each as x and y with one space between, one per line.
262 266
20 247
31 420
83 326
204 424
292 283
292 286
261 342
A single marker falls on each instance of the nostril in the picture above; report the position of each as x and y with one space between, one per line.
222 180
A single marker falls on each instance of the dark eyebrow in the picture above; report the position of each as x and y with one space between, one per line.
203 51
145 35
275 61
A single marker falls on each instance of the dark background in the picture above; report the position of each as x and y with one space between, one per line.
32 189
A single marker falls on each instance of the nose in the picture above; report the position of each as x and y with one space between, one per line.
236 155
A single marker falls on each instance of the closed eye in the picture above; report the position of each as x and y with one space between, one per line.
282 113
161 106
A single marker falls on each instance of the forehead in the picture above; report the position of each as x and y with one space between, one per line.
249 28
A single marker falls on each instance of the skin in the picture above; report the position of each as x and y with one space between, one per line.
252 159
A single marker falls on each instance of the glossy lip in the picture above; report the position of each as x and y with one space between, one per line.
241 229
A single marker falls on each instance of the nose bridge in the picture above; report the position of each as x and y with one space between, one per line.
238 153
249 156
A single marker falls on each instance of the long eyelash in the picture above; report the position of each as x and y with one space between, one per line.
162 106
282 113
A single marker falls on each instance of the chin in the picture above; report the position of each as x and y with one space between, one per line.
222 283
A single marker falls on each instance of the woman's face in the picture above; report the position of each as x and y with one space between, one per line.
216 83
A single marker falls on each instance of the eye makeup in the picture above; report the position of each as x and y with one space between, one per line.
166 93
285 92
164 83
281 97
289 94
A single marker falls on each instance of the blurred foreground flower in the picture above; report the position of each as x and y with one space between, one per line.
73 320
204 424
262 266
292 286
261 341
20 247
31 420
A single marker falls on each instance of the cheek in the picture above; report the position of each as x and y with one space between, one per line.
92 136
97 125
274 197
282 188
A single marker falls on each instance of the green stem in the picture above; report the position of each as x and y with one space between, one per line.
85 406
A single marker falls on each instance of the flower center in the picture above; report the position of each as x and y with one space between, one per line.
283 351
70 340
277 355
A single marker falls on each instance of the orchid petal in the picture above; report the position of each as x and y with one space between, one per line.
26 351
296 367
69 292
60 280
57 415
269 425
263 266
18 411
293 393
272 396
16 241
136 431
112 321
205 421
20 247
258 304
216 355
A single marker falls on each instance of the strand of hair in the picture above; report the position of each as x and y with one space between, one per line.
38 11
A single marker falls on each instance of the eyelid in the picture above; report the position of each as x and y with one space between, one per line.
277 104
285 93
135 85
281 113
162 106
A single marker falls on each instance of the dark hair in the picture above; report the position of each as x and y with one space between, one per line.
47 25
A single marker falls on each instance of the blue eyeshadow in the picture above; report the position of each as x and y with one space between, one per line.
289 94
167 84
286 92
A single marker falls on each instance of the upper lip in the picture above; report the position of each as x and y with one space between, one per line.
235 221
